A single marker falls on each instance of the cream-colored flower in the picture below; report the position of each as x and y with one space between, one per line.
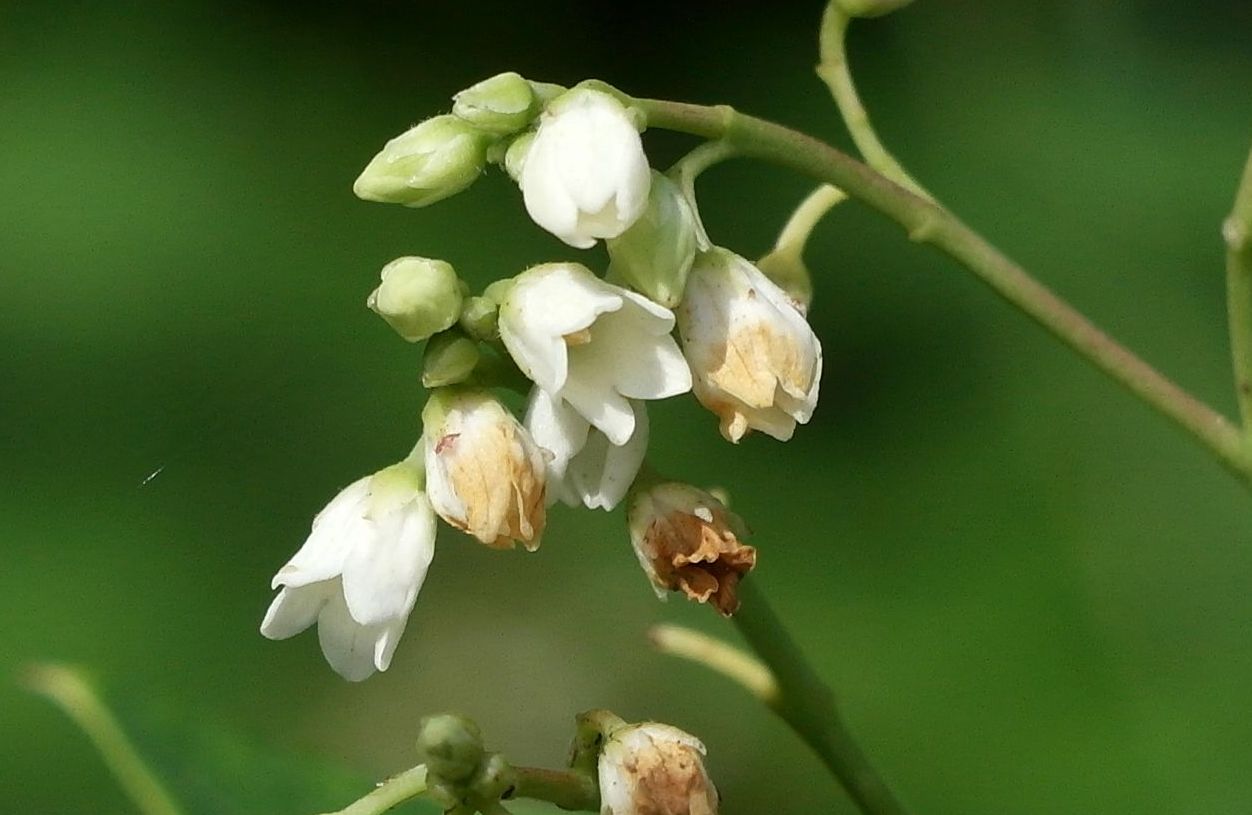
584 466
594 345
358 574
484 473
585 174
688 541
654 769
754 359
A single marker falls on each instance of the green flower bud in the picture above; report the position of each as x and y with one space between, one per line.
515 156
438 158
656 253
478 318
870 8
452 747
503 104
449 359
418 297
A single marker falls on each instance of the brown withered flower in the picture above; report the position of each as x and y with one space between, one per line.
484 473
654 769
688 541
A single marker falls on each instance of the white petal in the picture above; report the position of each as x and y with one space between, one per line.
545 304
602 473
439 488
347 645
382 576
335 529
295 609
388 639
556 428
601 405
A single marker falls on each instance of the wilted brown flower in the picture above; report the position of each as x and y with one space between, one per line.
688 541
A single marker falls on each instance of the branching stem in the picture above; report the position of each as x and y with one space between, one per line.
929 223
1237 230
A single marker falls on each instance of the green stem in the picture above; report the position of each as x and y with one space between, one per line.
833 69
391 793
795 234
926 222
808 706
688 168
70 692
718 657
1237 230
565 788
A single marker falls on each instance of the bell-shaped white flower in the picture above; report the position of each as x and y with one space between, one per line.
358 574
585 467
592 344
654 769
484 473
585 175
756 362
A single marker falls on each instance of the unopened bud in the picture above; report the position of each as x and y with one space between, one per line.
436 159
418 297
870 8
449 359
452 747
478 318
515 156
656 253
502 105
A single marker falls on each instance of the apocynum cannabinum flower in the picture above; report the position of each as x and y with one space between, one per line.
754 359
585 175
654 769
591 344
358 574
484 474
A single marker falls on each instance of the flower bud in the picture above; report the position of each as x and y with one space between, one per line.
688 541
654 769
655 255
586 175
502 105
418 297
449 359
755 362
436 159
870 8
452 747
478 318
515 156
484 473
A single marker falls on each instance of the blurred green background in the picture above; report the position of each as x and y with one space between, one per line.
1030 592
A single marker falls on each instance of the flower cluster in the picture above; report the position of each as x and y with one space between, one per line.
672 314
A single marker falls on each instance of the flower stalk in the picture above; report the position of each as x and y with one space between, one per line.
833 70
805 703
1237 231
926 222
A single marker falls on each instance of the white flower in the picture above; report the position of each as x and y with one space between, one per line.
592 344
484 474
654 769
358 574
755 360
585 175
585 466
